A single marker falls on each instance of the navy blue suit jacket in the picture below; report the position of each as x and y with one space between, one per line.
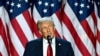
35 48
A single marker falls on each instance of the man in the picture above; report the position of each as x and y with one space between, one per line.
39 47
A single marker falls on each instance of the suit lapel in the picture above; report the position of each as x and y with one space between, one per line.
40 47
58 47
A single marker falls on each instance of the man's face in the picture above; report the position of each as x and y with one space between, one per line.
47 28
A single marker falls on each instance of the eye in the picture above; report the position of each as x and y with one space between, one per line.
44 28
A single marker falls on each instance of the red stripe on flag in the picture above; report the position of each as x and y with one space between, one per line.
89 32
76 38
94 18
4 36
12 50
59 15
19 32
28 19
98 34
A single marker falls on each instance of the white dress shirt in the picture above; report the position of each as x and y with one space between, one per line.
45 45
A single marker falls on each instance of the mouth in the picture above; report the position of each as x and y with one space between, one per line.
49 33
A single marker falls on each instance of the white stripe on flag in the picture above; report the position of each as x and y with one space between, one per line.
98 22
15 41
25 27
98 47
3 49
2 15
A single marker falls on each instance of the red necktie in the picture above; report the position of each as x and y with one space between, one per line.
49 51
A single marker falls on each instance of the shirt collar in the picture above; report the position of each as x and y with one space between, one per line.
45 40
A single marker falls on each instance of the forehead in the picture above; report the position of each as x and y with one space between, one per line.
47 23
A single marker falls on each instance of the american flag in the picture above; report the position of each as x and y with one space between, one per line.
98 26
79 26
75 21
19 25
4 44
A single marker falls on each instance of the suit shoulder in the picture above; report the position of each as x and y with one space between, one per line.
34 42
63 41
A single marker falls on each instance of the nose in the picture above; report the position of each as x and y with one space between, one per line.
48 31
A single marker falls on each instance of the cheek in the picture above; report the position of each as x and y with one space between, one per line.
44 32
52 29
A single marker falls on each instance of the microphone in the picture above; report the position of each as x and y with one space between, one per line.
49 39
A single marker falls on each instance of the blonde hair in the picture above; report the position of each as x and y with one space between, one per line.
44 19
